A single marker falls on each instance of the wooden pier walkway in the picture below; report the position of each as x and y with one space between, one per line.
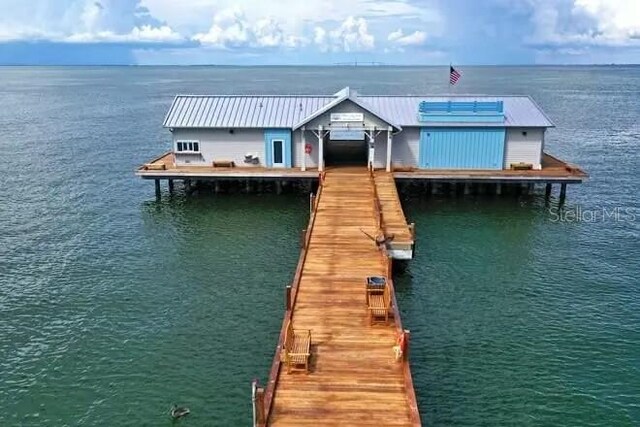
354 377
393 221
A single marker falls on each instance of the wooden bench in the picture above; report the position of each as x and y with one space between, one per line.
521 166
378 306
224 164
296 349
155 166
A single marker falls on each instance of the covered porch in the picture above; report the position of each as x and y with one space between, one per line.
345 132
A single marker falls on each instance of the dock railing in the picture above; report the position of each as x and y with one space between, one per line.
263 397
404 335
377 206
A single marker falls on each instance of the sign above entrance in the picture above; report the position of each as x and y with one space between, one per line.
347 117
346 135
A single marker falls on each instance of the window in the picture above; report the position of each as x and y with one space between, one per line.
187 146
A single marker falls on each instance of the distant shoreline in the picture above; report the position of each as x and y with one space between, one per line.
340 65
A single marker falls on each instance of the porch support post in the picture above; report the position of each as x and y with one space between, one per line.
303 144
320 149
389 145
371 149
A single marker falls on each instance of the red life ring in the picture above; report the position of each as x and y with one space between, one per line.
308 148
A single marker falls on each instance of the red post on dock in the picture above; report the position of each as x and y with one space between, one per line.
259 414
288 297
407 342
312 202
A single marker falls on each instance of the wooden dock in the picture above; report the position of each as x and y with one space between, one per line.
355 378
393 221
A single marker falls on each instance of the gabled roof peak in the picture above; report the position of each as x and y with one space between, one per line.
341 96
346 93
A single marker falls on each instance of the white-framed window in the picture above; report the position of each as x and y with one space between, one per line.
187 146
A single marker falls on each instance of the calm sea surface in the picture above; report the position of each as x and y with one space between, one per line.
114 306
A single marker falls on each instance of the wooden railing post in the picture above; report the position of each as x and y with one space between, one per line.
412 230
407 343
257 400
312 202
260 412
287 297
303 239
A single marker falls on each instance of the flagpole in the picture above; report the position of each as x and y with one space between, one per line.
450 85
450 65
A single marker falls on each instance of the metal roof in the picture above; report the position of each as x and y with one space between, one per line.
246 111
344 95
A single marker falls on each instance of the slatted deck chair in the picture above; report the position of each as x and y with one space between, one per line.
296 349
379 305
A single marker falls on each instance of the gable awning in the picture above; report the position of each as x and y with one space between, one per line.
346 94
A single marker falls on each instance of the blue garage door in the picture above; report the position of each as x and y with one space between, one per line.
462 148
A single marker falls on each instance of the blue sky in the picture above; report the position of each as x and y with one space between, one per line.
421 32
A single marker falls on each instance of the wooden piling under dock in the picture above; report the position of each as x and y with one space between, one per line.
354 377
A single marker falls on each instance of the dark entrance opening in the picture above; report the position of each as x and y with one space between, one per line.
343 153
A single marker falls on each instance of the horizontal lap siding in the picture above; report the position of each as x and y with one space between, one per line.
461 148
380 151
405 147
220 144
311 160
524 146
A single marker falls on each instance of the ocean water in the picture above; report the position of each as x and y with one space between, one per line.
114 306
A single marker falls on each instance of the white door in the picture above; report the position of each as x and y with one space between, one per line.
277 152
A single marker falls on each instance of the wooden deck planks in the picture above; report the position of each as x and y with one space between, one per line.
354 379
393 216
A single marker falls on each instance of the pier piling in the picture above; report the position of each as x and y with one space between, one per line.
563 192
547 190
157 182
170 186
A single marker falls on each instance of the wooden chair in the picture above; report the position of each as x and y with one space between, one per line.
379 305
296 349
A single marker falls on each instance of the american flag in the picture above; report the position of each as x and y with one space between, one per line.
454 75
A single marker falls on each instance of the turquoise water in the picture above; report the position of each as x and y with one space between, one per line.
114 306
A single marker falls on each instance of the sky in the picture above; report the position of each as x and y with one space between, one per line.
319 32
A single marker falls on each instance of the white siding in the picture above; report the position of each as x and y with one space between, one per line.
219 144
524 145
405 148
380 153
298 150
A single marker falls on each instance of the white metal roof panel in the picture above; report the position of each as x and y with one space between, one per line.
199 111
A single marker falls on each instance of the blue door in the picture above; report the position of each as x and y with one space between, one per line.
277 148
462 148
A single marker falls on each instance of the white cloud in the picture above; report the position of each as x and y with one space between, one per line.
191 16
231 29
616 19
558 23
143 34
417 38
83 21
352 35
